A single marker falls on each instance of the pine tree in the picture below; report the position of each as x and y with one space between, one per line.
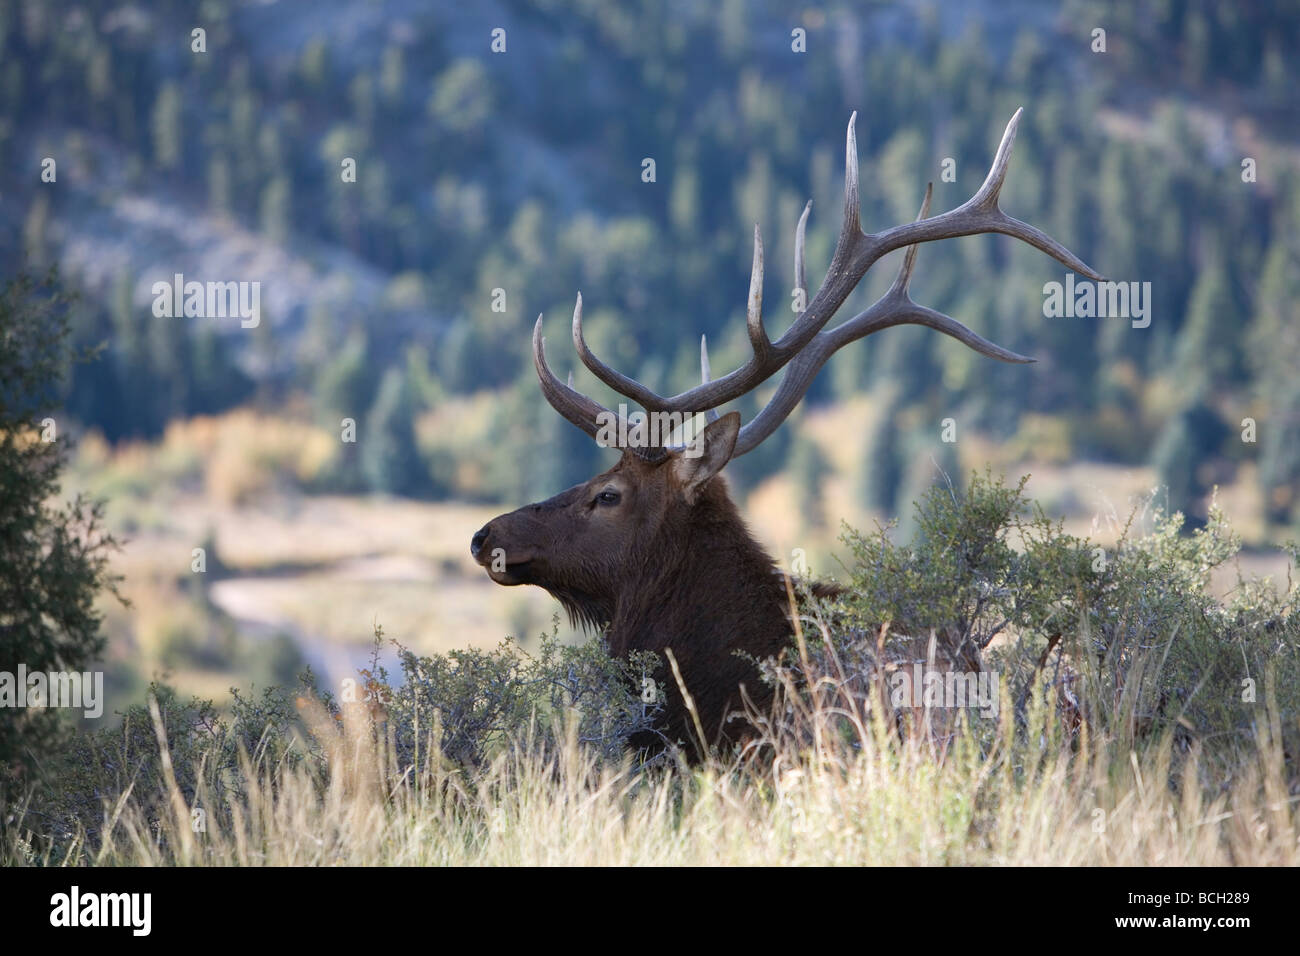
1273 354
53 556
390 458
168 137
881 471
345 386
277 209
1206 353
1174 458
808 470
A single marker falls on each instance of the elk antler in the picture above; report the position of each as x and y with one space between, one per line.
805 347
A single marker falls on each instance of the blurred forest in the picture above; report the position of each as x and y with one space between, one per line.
493 186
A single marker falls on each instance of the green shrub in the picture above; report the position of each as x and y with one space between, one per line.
487 701
205 751
457 711
1129 641
1128 647
53 553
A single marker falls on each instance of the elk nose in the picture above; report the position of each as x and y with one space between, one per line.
476 542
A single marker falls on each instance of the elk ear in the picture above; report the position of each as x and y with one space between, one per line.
705 456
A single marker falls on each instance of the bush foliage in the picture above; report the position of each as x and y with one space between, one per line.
1128 648
53 555
1130 641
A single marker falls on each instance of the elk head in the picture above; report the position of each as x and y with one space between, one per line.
653 550
586 544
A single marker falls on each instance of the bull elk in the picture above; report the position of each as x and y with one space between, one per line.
653 550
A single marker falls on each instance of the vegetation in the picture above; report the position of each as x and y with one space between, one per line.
53 557
1127 641
1123 737
884 804
1132 156
1142 715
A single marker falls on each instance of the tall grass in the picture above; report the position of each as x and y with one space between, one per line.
1128 731
1032 794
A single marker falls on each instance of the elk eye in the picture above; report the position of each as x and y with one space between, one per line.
607 498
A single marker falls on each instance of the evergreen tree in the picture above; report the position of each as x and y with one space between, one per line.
1187 440
390 458
345 386
53 555
217 383
168 137
1274 356
170 370
809 470
1207 346
276 209
881 470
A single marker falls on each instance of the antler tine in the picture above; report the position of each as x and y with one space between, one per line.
628 387
710 414
895 307
768 357
987 195
855 253
572 404
842 275
584 412
800 279
801 372
904 277
980 214
852 216
754 307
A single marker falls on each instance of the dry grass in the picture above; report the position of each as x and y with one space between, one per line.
1027 795
405 564
1012 795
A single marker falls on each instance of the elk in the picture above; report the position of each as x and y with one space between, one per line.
653 551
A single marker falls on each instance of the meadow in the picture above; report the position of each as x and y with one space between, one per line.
1131 741
270 565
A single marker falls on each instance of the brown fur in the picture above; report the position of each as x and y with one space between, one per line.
671 566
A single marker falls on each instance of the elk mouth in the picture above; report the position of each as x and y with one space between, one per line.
520 572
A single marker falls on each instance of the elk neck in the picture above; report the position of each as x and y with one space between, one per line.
702 587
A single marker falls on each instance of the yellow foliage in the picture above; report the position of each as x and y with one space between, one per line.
1042 438
244 453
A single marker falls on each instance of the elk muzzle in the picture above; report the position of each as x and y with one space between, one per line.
496 548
